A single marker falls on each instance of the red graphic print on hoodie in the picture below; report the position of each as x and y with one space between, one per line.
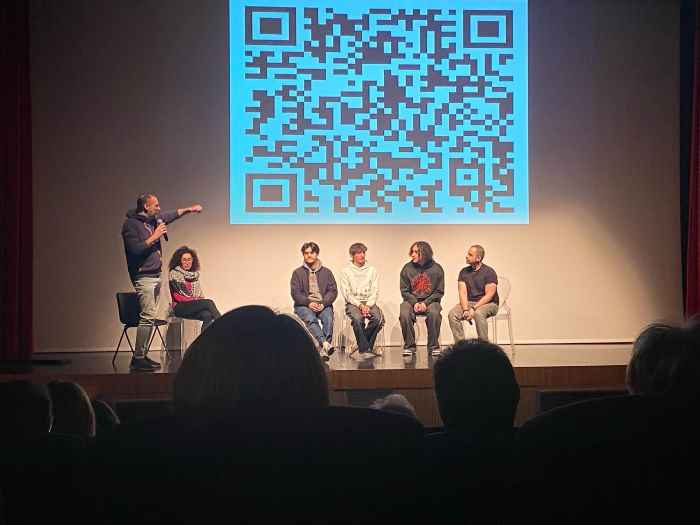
421 285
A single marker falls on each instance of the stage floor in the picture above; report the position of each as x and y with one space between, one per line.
354 380
526 356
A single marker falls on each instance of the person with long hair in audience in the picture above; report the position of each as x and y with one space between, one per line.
72 410
255 358
188 299
106 418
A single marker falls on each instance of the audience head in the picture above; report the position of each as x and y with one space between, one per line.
395 404
25 410
476 388
72 409
106 418
420 252
186 258
251 358
666 361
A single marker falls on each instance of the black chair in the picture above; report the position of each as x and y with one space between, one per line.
129 312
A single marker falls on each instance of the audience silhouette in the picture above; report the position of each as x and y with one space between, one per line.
253 437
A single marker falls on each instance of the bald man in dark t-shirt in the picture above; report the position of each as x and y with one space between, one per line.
478 296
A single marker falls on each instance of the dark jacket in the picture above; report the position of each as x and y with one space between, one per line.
422 283
142 259
300 286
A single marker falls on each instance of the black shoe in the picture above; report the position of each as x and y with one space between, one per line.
330 351
154 364
141 365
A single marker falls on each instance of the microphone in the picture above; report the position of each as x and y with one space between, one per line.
160 221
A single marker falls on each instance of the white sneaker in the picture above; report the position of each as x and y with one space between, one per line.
408 351
436 351
326 350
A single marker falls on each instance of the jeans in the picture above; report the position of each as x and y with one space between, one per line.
480 316
322 331
148 290
200 309
433 319
365 334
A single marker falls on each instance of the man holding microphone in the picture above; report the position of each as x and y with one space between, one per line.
142 232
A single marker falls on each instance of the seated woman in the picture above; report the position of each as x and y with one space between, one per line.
188 300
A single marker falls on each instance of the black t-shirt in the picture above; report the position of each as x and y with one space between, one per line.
476 281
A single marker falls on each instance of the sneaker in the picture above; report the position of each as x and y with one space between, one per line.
409 351
436 351
154 364
141 365
328 348
367 355
378 352
322 352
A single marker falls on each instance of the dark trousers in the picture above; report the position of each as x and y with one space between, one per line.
200 309
433 319
365 334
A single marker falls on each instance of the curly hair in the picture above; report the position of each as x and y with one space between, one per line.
177 257
424 250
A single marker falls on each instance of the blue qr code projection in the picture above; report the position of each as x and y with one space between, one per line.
372 112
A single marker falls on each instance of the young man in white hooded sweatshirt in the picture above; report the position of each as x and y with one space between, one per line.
359 284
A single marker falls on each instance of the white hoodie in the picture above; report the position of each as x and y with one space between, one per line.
359 285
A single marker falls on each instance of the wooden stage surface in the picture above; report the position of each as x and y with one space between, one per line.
353 380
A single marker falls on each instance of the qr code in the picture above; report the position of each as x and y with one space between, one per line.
363 114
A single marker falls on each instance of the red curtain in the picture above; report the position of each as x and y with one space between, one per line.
16 224
692 297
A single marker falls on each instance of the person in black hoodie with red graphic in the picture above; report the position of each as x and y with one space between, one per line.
141 232
422 288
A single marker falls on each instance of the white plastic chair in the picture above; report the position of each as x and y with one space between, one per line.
504 312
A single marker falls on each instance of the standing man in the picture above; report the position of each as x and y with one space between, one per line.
314 290
359 284
478 296
422 288
141 232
